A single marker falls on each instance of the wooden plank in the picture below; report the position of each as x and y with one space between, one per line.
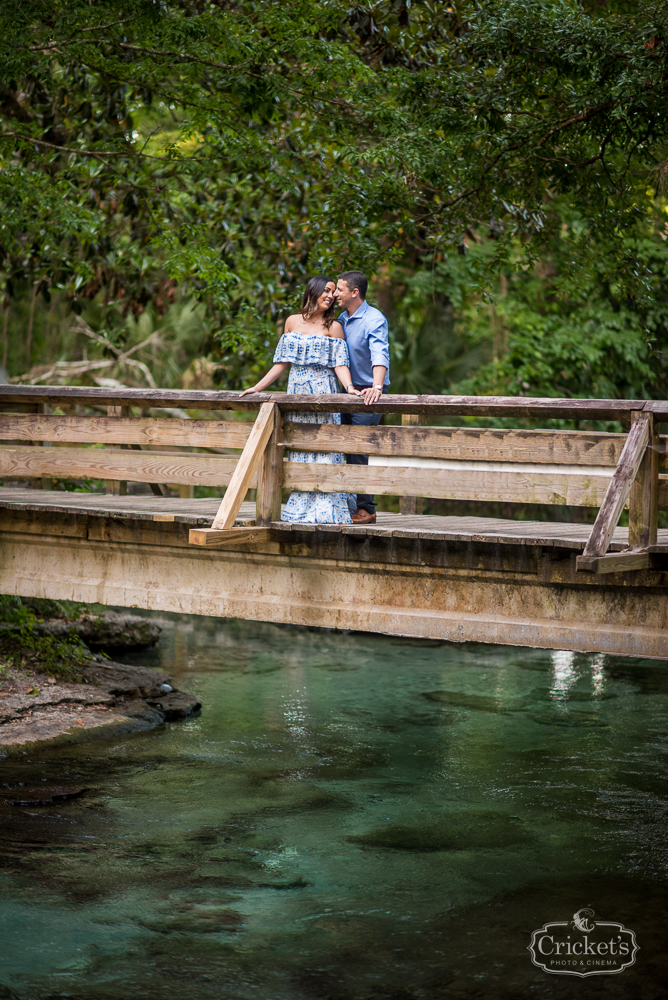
196 399
100 463
506 406
213 538
659 407
157 489
144 431
270 476
411 505
644 496
478 484
614 562
620 486
131 506
463 443
41 522
200 513
246 467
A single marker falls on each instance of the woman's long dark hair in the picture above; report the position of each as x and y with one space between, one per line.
314 289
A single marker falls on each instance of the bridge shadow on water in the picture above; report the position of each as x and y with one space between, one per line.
352 817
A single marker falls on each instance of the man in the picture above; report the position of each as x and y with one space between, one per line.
365 329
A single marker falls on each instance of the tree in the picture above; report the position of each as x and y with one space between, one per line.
238 146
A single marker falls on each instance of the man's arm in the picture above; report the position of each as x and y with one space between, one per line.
379 349
373 394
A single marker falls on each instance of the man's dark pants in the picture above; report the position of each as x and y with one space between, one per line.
364 500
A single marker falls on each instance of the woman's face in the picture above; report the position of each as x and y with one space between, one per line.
325 300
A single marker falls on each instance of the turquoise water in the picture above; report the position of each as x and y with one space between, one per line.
351 817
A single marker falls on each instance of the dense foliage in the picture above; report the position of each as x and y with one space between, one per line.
170 171
24 647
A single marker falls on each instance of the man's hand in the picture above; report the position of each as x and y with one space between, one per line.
371 394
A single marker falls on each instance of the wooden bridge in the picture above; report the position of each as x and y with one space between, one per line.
530 583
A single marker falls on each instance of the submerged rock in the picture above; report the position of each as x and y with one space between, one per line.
469 831
200 920
477 702
41 795
176 705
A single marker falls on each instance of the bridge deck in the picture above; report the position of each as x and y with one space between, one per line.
456 578
200 514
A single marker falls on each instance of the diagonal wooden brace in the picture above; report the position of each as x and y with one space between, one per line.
240 481
633 453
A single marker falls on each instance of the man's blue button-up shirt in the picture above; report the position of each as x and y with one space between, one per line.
368 345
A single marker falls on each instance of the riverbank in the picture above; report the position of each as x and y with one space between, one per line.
53 686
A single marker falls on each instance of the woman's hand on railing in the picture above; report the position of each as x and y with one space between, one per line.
352 391
275 372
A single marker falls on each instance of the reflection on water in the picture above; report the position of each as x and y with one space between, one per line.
352 817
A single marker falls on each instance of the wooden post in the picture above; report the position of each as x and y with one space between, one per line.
411 505
5 338
118 487
643 499
270 476
46 483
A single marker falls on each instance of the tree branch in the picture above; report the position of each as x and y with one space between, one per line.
183 58
112 24
99 27
100 155
584 117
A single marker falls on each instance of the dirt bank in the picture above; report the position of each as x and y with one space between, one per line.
52 685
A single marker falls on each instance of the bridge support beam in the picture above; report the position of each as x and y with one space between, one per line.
515 594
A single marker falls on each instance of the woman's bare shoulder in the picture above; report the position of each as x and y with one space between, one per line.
336 330
291 322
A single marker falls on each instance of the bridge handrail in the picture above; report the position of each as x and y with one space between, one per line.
573 470
480 406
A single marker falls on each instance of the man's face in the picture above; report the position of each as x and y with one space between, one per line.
344 294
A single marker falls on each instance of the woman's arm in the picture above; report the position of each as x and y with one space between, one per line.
268 379
343 375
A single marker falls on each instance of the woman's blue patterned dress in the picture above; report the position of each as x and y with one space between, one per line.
313 359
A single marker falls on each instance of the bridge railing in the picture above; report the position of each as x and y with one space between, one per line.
579 468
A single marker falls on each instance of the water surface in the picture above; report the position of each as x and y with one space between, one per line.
351 817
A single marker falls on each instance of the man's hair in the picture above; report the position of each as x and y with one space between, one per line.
355 279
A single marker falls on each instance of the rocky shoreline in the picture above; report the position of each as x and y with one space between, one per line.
108 631
36 706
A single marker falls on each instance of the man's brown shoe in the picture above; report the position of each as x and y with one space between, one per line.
362 516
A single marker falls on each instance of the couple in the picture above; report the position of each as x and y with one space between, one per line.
315 346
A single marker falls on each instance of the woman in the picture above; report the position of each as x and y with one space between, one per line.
312 346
